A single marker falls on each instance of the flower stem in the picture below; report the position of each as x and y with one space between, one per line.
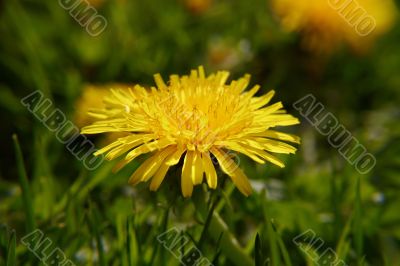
218 230
229 244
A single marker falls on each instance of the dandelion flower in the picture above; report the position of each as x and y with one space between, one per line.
92 97
327 24
195 119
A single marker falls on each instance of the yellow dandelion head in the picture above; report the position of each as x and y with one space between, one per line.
197 118
326 24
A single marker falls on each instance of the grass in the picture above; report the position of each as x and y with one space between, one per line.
96 218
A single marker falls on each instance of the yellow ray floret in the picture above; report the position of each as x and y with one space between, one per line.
195 119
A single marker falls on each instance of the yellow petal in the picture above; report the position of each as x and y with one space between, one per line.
232 145
175 157
241 182
186 179
278 135
266 111
209 169
123 148
279 120
248 95
159 177
276 146
159 81
121 164
259 102
107 148
265 155
202 74
150 166
148 147
232 169
197 169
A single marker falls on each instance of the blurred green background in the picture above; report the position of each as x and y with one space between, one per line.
95 218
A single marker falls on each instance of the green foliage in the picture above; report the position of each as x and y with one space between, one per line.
95 218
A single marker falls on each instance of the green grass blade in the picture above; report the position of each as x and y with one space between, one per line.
218 230
357 225
131 242
11 257
163 228
229 244
83 185
258 251
282 247
94 222
343 245
23 180
273 245
207 223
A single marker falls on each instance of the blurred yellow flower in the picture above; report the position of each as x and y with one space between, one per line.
197 117
198 6
96 3
326 24
92 97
